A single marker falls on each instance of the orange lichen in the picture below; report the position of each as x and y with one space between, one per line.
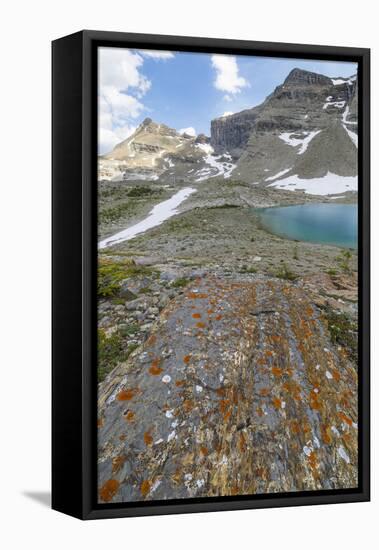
336 375
242 442
209 311
109 489
200 325
345 418
312 459
203 450
155 369
264 392
196 295
130 416
223 405
218 317
295 427
127 395
145 487
234 490
187 405
117 463
277 402
227 415
276 371
147 438
314 403
180 383
293 389
196 315
187 359
326 434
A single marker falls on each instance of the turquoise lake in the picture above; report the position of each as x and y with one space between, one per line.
325 223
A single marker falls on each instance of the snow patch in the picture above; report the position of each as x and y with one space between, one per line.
208 149
352 135
338 104
160 213
303 142
222 168
281 173
330 184
338 81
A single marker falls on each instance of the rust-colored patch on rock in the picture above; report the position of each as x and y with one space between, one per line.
203 450
277 402
130 416
197 295
196 315
187 405
127 395
145 487
345 418
109 489
147 438
155 369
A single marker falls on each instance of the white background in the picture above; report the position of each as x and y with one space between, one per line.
27 27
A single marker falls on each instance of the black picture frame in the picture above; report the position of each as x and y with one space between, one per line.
74 173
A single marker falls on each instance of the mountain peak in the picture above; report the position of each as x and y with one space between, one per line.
147 121
301 76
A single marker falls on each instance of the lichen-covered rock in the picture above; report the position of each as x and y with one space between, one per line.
238 390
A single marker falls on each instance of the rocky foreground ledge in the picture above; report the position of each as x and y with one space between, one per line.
238 390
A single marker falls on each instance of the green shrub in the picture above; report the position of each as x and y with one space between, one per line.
343 331
111 350
283 272
181 282
110 275
344 259
141 191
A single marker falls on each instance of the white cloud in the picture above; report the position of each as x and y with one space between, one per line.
157 54
189 131
227 75
122 85
108 138
227 113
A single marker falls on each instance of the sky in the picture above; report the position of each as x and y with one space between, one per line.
184 90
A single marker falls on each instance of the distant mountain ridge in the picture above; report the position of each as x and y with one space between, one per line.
307 127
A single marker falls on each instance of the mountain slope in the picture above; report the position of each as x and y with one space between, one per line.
155 151
307 127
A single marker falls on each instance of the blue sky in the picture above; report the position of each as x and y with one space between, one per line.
186 90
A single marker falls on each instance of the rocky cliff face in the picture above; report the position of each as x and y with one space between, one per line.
307 128
304 101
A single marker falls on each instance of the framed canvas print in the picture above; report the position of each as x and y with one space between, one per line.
210 274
